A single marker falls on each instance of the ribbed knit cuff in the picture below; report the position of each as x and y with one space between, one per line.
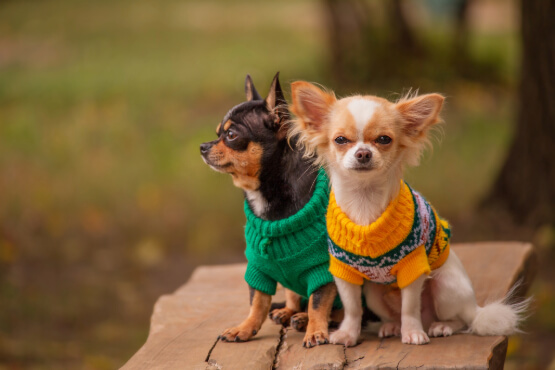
442 258
345 272
410 267
259 280
317 277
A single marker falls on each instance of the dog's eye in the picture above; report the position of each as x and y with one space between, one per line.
231 135
384 140
341 140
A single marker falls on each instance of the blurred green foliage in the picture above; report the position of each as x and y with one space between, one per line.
105 202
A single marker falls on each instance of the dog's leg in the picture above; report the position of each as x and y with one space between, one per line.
411 319
349 330
336 317
375 294
260 305
281 316
453 297
319 310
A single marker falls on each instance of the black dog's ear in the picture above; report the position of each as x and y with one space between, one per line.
276 104
250 91
275 96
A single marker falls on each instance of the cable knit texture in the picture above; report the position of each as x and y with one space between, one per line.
292 251
408 240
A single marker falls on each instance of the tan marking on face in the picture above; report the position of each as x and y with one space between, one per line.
244 167
218 128
227 124
343 124
343 148
382 124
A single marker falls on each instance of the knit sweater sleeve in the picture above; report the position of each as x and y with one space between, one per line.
343 271
410 267
259 280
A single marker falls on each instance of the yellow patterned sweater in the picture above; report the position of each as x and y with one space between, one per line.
408 240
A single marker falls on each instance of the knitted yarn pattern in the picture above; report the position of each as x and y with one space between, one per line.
407 240
292 251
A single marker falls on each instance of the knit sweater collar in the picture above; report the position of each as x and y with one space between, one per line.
312 211
380 236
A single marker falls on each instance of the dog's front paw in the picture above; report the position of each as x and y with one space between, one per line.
312 339
414 336
346 338
239 333
281 316
390 329
440 329
299 321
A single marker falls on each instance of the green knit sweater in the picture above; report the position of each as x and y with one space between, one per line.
292 251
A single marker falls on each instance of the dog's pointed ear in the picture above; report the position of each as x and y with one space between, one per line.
277 105
420 113
310 103
250 90
275 96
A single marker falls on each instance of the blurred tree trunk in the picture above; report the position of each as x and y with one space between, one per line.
346 20
526 184
358 42
403 36
460 38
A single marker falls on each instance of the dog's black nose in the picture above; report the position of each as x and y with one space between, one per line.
205 147
363 156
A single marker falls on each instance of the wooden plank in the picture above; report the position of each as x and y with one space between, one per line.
186 324
293 355
458 351
257 353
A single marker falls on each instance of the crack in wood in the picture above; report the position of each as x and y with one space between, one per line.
211 349
345 360
401 360
282 337
346 363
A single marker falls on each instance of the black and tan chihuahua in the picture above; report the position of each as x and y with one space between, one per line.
253 147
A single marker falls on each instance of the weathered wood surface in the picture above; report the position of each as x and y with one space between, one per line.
185 325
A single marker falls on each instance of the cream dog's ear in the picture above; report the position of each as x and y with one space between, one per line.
420 113
310 104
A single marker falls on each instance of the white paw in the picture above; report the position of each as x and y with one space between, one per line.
346 338
440 329
390 329
414 337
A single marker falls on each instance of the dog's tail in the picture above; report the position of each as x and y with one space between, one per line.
500 317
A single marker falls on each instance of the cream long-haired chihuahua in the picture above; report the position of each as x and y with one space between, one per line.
383 234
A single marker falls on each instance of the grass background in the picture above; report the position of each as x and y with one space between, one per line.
105 203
